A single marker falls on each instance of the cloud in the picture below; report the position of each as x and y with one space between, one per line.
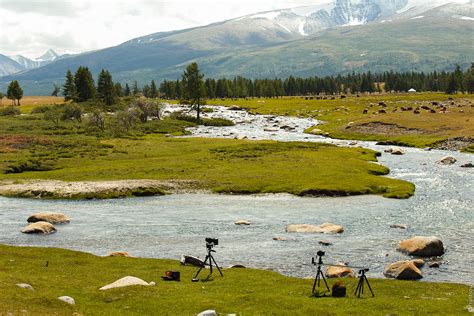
43 7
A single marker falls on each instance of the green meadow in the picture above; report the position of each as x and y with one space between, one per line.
240 291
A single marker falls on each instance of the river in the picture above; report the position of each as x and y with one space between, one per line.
169 226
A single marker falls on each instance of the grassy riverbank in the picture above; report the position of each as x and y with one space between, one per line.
33 148
240 291
344 118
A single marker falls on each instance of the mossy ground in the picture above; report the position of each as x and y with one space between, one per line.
337 113
240 291
33 148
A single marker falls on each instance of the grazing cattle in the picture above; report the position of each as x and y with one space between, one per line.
434 103
343 96
382 111
416 111
432 111
365 111
424 107
382 104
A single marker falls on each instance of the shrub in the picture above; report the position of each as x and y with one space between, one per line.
41 109
10 111
204 121
71 112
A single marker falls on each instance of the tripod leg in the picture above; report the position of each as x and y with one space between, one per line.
202 267
217 266
368 284
357 291
324 279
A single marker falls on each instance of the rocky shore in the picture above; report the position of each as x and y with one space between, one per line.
55 189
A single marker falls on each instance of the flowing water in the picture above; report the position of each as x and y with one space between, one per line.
169 226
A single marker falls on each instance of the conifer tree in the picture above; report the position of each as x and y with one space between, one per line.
14 92
193 87
105 88
153 90
126 91
69 87
84 84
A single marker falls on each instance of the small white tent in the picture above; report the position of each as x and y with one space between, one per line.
412 90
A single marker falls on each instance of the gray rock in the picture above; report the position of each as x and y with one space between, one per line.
25 286
422 246
447 161
67 299
403 270
50 217
209 312
468 165
39 228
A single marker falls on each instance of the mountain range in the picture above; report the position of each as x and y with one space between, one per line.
18 63
329 39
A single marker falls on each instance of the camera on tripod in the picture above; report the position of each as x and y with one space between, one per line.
211 242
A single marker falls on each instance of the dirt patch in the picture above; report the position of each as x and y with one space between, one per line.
380 128
456 143
53 189
9 143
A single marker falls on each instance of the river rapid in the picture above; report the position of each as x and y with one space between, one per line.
169 226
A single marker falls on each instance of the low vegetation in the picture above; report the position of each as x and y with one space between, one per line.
438 116
55 272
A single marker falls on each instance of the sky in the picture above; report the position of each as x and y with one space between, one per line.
30 27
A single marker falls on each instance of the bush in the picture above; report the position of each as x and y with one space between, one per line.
30 165
10 111
41 109
71 112
206 122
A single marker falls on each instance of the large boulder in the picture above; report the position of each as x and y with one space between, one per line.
39 228
447 161
50 217
326 228
25 286
403 270
339 272
422 246
126 281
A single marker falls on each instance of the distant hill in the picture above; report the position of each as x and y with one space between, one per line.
340 37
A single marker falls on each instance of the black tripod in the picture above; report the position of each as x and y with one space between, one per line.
209 260
360 286
319 275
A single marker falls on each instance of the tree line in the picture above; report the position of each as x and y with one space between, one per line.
81 87
240 87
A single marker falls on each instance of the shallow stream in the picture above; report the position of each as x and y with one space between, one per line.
169 226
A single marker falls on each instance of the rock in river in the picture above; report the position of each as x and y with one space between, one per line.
403 270
422 246
468 165
39 228
447 161
119 254
50 217
339 272
242 222
326 228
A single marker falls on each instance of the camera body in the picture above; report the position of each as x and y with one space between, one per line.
212 241
320 253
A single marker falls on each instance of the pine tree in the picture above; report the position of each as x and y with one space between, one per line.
84 84
194 90
126 91
69 87
135 89
452 86
153 90
105 88
118 89
14 92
